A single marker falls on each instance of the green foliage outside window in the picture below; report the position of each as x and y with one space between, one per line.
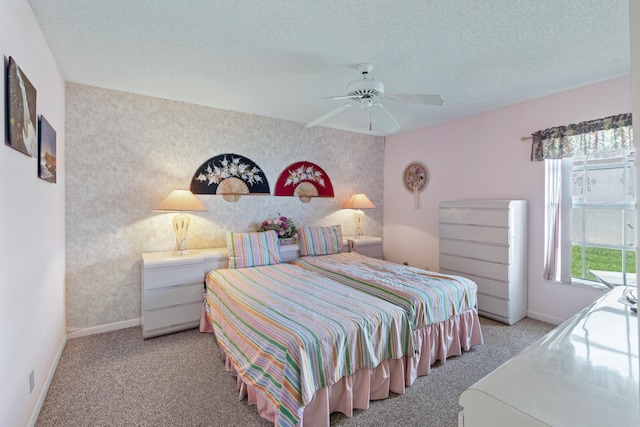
602 259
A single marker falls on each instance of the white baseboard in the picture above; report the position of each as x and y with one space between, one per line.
104 328
544 318
47 383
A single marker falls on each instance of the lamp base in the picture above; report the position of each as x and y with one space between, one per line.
358 216
181 226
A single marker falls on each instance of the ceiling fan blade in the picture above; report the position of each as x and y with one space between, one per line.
382 118
428 99
328 115
354 97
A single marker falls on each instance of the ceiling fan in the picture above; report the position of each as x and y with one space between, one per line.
367 93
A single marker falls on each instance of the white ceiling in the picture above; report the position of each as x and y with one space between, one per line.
280 58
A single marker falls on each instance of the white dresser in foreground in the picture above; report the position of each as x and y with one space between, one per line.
173 288
486 241
583 373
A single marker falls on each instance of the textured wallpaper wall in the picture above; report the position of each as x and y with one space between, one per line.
126 152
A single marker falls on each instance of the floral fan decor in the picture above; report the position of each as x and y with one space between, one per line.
304 180
285 227
231 176
415 178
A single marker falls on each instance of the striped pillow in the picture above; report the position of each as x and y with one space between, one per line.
253 249
320 240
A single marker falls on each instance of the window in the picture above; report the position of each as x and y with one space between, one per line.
603 229
590 229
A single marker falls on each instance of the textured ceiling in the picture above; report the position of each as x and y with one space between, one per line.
280 58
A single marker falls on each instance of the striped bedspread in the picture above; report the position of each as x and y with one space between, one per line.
290 332
426 296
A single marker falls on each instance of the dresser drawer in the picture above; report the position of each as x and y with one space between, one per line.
486 217
493 288
485 252
468 266
172 276
493 305
174 295
170 316
474 233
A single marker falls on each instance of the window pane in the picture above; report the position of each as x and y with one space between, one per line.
603 226
630 227
631 185
577 184
605 185
602 259
631 261
576 263
576 224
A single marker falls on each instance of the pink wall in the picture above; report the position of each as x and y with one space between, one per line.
482 157
32 211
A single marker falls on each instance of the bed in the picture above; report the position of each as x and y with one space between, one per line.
296 340
304 345
441 308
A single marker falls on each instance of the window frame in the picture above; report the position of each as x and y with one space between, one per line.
626 207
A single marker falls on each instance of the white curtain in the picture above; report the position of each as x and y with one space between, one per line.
557 256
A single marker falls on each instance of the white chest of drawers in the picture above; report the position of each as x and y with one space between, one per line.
486 241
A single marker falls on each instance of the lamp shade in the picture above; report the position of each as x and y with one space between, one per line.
359 201
180 201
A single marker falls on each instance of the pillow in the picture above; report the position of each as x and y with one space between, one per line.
253 249
320 240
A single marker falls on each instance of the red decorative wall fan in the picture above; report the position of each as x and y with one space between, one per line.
304 180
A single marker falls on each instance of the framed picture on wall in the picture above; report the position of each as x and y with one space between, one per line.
21 111
47 151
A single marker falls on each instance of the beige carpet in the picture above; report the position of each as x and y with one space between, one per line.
119 379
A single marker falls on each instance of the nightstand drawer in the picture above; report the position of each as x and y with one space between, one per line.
160 298
170 316
171 276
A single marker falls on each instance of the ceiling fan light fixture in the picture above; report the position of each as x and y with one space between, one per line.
365 88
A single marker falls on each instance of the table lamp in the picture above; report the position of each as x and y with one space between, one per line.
180 201
359 201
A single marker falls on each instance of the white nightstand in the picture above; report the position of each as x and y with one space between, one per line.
173 288
366 245
289 252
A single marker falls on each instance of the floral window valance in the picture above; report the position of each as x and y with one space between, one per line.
589 137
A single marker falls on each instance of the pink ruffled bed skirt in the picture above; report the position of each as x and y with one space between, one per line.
436 342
